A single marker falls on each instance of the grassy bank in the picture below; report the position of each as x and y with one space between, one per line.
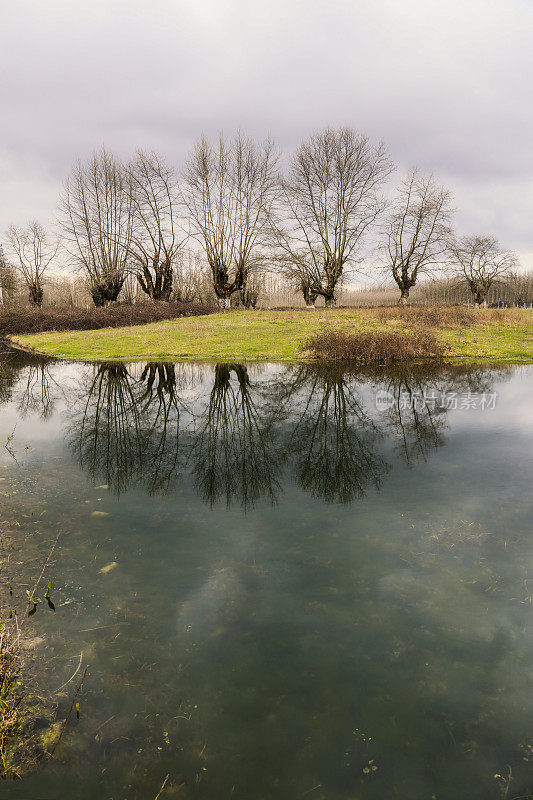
280 335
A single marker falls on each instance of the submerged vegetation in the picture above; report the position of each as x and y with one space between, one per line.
9 694
26 716
27 726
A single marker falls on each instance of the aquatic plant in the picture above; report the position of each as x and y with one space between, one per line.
9 693
20 743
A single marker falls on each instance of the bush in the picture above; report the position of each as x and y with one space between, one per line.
375 347
35 320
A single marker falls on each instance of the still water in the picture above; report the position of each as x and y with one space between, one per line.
285 582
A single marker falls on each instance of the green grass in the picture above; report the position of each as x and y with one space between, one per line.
278 335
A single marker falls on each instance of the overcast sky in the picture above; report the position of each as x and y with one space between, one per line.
447 84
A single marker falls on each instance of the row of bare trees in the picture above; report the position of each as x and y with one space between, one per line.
311 222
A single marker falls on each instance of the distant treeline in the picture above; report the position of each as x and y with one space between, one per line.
270 290
233 226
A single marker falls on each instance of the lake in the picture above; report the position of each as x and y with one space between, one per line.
284 581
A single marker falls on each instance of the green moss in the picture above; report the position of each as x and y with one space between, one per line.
49 736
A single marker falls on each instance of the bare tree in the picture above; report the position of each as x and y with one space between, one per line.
192 278
8 279
156 237
97 224
480 261
229 193
329 201
417 230
33 253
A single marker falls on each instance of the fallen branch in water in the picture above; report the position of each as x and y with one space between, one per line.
8 446
80 684
161 789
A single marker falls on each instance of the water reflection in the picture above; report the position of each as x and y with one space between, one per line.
294 647
416 420
243 438
36 394
235 453
39 392
124 428
334 441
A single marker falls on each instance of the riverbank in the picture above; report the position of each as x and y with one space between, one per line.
280 335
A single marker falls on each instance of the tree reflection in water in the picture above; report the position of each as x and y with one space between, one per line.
413 421
40 391
416 419
125 430
235 454
10 369
334 440
242 439
33 378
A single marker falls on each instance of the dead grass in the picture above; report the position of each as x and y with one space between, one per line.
9 694
443 316
22 711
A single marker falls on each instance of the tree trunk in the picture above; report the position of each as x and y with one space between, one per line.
161 287
404 297
35 295
330 301
480 300
106 291
166 288
249 298
308 293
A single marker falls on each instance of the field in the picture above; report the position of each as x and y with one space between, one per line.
280 335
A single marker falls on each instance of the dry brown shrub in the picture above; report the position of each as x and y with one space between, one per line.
375 347
35 320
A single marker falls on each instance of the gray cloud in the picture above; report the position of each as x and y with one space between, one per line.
446 84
